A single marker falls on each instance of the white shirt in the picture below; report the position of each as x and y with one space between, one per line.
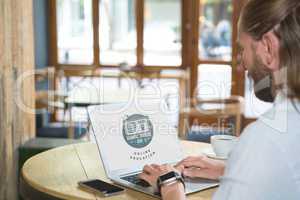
265 165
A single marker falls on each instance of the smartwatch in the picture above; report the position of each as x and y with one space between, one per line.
169 179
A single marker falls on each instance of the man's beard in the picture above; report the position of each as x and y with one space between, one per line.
263 86
264 93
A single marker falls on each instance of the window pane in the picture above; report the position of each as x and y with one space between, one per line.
114 90
253 106
95 89
215 30
117 32
162 32
75 35
214 81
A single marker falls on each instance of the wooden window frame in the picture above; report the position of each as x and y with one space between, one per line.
237 76
139 17
189 52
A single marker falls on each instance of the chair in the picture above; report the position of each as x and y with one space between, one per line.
227 111
48 100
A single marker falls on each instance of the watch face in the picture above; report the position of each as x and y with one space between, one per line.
167 176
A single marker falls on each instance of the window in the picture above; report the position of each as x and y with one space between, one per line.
129 32
117 32
214 81
162 32
151 34
74 31
215 30
215 48
142 33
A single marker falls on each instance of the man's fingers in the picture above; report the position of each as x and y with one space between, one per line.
194 163
148 169
190 159
193 158
202 161
179 167
155 166
199 173
144 177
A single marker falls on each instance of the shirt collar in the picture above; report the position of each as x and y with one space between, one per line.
278 116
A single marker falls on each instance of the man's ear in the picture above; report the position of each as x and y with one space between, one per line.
268 50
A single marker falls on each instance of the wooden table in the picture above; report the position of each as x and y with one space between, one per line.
56 172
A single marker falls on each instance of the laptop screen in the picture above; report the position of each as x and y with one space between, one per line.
130 136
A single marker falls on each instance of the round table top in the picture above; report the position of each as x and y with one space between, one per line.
57 172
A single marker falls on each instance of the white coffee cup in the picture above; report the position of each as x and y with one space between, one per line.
223 144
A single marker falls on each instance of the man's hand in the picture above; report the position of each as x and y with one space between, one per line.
201 167
152 172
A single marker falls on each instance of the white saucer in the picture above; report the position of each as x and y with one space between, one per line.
211 154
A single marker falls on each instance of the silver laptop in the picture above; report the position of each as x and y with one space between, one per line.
131 136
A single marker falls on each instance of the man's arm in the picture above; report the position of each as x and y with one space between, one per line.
194 167
202 167
173 192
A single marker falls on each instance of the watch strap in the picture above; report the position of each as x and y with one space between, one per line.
174 179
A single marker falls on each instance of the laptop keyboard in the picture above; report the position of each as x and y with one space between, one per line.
136 180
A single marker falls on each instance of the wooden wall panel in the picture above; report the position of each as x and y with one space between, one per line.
16 58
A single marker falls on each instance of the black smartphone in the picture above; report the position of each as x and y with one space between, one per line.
100 187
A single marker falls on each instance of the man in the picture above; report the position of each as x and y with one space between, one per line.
265 165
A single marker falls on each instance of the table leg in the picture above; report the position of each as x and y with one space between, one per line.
71 126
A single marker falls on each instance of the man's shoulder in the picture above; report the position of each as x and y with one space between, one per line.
255 152
257 130
257 140
264 142
275 125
